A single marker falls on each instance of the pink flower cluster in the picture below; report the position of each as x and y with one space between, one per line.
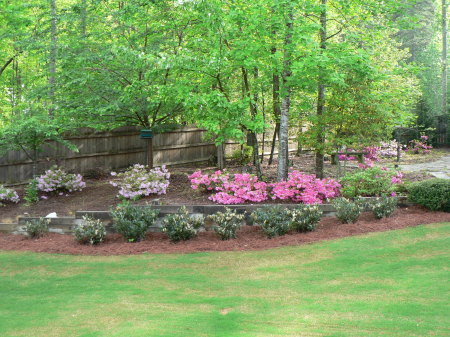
305 188
57 180
370 157
138 181
397 178
240 188
8 195
419 146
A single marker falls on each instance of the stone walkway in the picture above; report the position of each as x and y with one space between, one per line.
439 168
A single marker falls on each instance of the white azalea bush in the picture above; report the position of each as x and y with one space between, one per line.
138 181
8 195
227 223
90 231
59 181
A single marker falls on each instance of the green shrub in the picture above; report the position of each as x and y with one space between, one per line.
31 192
384 206
305 218
90 231
274 220
133 221
433 194
367 183
348 211
37 228
227 223
243 155
182 226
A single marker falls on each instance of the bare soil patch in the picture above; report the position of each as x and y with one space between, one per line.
249 237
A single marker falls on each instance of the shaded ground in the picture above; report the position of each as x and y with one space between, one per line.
249 237
439 168
99 195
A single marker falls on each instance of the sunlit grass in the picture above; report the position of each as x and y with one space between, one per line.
392 284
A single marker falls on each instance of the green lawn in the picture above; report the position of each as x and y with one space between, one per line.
384 284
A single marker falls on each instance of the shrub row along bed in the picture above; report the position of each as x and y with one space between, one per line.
133 222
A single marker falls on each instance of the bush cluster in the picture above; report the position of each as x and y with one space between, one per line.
90 231
37 228
373 181
132 221
240 188
227 223
138 181
383 206
56 180
433 194
182 226
348 211
8 195
278 220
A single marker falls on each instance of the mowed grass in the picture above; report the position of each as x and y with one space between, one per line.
384 284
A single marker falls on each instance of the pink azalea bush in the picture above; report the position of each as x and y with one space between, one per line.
371 156
8 195
419 146
138 181
240 188
57 180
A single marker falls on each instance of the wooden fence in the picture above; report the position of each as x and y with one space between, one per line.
116 149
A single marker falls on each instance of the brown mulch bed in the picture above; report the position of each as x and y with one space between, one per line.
249 237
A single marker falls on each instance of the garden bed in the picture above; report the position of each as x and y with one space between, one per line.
249 237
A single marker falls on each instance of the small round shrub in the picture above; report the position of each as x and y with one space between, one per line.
90 231
274 220
8 195
31 192
227 223
347 211
370 182
305 218
57 180
37 228
133 221
182 226
383 207
433 194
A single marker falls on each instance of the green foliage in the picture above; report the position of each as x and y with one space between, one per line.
370 182
305 218
433 194
31 193
383 206
274 220
37 228
348 211
227 223
90 231
244 155
132 221
182 226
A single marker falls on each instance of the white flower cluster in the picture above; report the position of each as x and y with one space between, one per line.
138 181
8 195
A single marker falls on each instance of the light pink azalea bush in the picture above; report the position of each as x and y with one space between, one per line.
138 181
419 146
8 195
57 180
241 188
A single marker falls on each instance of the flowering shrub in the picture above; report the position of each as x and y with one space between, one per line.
305 188
239 188
57 180
274 220
348 211
419 146
370 156
228 223
373 181
90 231
384 206
138 181
8 195
389 149
182 226
305 218
37 228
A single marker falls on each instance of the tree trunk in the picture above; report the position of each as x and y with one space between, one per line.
274 139
320 139
83 18
286 97
444 57
52 57
220 157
